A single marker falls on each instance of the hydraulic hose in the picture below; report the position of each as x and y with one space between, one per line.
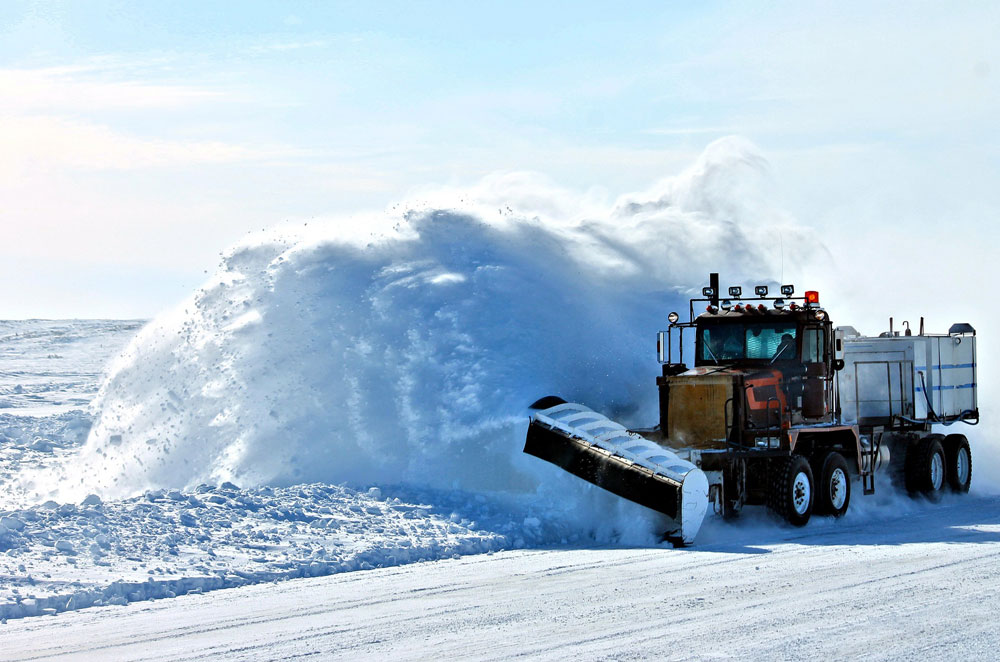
934 418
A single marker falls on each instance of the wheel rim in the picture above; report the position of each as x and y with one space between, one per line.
962 466
937 472
838 488
800 493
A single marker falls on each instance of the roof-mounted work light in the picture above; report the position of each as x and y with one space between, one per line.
708 292
735 291
787 290
779 304
760 290
673 317
726 304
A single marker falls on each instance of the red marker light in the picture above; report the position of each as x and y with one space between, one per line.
812 296
761 308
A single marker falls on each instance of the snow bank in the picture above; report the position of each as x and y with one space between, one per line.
404 347
164 543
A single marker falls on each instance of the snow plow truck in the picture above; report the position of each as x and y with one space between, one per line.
780 408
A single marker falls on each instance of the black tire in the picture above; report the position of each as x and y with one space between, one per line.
833 484
958 460
925 467
791 489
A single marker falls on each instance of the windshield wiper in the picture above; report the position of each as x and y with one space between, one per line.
780 351
708 346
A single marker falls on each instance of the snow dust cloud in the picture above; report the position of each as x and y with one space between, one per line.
404 347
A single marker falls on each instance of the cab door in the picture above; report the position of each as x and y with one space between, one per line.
815 355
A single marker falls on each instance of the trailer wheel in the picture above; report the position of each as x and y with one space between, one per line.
958 457
925 469
833 484
791 490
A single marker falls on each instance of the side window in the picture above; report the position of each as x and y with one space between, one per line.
813 342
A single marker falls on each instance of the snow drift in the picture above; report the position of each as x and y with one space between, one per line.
405 347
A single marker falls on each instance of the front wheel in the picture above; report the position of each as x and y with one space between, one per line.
958 457
833 485
925 467
791 489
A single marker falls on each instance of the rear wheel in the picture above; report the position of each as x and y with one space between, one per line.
958 458
833 484
791 489
925 467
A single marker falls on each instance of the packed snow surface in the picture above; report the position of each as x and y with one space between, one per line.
889 588
50 367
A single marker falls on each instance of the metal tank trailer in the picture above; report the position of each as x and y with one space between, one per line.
779 408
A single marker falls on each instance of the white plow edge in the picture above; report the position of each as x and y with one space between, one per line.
586 424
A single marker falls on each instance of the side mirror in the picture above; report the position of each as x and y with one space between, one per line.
838 364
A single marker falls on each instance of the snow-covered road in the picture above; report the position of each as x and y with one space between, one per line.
920 585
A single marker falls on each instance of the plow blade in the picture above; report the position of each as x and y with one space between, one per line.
604 453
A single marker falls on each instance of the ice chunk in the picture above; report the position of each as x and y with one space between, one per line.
91 500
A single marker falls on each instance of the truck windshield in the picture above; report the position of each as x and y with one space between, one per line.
756 341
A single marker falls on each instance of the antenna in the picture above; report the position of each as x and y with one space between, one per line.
781 244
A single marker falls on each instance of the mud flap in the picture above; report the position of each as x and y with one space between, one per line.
604 453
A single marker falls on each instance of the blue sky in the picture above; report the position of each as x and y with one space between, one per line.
137 140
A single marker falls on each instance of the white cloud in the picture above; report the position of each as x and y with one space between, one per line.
45 142
60 118
74 89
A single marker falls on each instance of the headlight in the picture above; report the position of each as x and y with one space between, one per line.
673 317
